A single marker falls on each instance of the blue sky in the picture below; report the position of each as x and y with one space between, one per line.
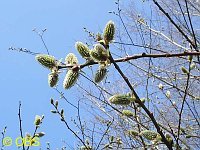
22 78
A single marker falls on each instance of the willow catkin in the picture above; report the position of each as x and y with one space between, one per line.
149 135
38 120
109 32
83 49
100 74
71 59
127 113
99 53
120 99
47 61
184 70
70 79
53 79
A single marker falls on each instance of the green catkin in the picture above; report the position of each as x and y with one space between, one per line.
127 113
70 79
46 61
38 120
109 32
71 59
168 94
143 100
192 66
101 50
184 70
120 99
83 50
149 135
190 58
99 53
100 74
53 79
133 133
169 138
95 56
160 86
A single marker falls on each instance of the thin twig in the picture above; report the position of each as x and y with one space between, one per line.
42 39
24 50
34 133
188 13
63 97
20 124
3 136
44 44
80 122
68 127
182 106
119 14
106 132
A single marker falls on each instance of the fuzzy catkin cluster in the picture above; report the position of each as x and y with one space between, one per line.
99 53
50 63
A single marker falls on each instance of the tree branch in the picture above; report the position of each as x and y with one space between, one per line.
150 114
136 56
